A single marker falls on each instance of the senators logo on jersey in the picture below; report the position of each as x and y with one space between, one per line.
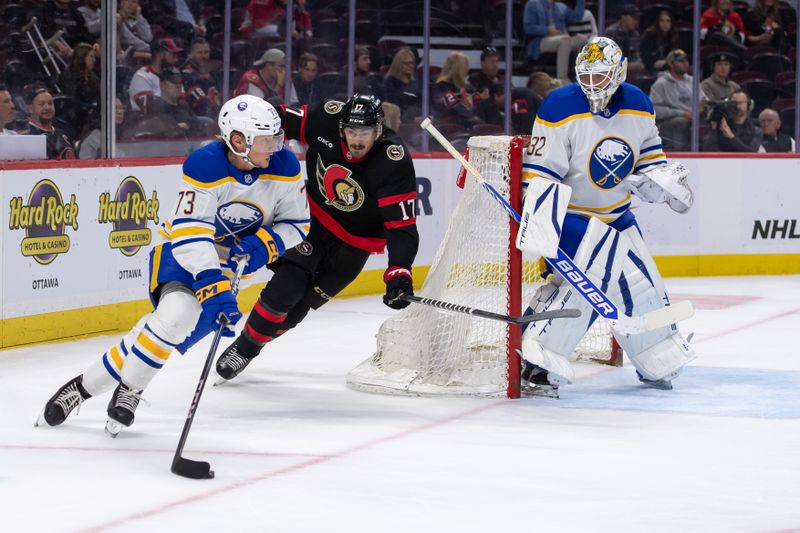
338 186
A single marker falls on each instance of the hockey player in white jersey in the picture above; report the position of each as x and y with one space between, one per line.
241 196
596 139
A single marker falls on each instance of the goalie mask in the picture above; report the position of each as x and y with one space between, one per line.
600 69
256 120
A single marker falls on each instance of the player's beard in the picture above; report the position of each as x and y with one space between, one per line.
358 149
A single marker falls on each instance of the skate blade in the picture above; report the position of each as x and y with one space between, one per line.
220 380
40 421
541 391
660 384
113 428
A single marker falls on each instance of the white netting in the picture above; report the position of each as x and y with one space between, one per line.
427 351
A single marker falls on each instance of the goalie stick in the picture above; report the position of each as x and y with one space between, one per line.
572 273
181 465
456 308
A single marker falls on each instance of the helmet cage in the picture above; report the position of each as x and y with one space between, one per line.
600 78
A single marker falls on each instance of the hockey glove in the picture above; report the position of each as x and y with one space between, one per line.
398 281
263 247
213 291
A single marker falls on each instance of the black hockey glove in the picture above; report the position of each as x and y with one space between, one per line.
398 281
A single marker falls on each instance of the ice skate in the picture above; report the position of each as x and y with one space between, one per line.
660 384
121 408
534 382
231 363
68 398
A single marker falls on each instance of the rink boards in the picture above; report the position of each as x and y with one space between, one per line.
76 235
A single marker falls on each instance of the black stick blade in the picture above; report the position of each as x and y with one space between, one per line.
192 469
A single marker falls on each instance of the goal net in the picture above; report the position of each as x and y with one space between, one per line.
422 350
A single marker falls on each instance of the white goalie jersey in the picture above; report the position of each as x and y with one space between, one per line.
593 154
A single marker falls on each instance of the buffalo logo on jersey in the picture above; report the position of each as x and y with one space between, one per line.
235 220
611 160
128 213
44 219
337 185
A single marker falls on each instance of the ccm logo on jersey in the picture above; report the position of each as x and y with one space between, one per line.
587 288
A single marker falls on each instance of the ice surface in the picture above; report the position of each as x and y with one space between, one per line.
294 450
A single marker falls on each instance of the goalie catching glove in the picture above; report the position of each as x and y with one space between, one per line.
398 281
663 184
263 247
213 291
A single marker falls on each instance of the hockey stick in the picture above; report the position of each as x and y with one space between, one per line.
181 465
572 273
447 306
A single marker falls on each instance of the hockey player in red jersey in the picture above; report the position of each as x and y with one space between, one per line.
361 194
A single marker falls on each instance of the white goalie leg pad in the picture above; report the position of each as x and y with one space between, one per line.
657 354
542 217
173 319
551 344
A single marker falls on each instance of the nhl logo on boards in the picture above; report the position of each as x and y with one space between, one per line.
395 152
611 160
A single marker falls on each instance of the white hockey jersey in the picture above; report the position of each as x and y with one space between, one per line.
219 204
594 153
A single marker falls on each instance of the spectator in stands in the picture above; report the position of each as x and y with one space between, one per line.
625 32
719 86
8 111
90 10
488 74
762 25
176 119
134 29
303 81
145 82
364 80
56 15
540 84
266 78
492 110
731 127
658 40
400 86
452 95
262 18
201 85
586 27
391 115
89 146
179 18
302 20
42 112
672 98
773 140
545 22
720 24
80 79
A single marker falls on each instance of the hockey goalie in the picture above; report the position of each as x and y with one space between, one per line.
594 144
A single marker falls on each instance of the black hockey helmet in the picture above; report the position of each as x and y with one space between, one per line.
362 111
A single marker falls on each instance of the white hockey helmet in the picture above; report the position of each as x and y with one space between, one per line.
600 69
255 119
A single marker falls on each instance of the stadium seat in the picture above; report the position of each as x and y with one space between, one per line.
328 85
770 64
486 129
779 104
388 47
762 92
785 82
787 120
753 51
330 30
747 75
330 55
644 83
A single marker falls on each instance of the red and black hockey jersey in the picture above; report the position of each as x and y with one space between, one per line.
367 203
